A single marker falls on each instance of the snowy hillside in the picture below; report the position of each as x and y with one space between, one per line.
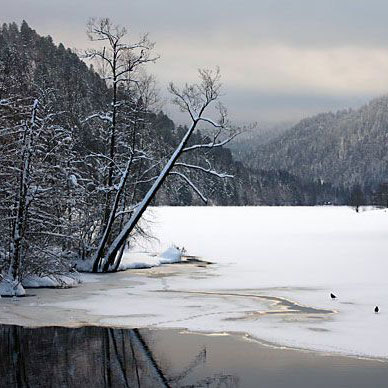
346 148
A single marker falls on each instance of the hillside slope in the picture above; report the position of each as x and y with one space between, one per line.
346 149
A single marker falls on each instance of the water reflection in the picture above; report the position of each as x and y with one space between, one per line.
91 357
104 357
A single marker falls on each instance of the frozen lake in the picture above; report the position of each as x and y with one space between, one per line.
299 253
274 269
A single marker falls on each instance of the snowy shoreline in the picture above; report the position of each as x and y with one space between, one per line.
104 322
278 254
45 309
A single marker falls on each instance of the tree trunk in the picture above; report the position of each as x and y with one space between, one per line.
130 225
22 202
104 239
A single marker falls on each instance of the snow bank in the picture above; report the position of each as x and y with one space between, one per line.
10 287
136 260
34 281
130 260
139 260
83 265
171 255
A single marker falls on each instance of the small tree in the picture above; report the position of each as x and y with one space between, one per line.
357 197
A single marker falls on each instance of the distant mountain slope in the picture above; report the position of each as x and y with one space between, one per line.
345 149
243 145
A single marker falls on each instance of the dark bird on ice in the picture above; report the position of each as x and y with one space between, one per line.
376 309
332 296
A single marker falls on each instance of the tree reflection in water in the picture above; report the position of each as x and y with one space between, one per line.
90 357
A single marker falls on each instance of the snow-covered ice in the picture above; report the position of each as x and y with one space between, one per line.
10 287
136 260
33 281
171 255
299 253
274 270
139 260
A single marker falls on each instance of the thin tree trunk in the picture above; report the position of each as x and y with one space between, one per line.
112 144
22 203
130 225
100 250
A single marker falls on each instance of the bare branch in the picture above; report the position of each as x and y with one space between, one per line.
205 170
191 184
212 144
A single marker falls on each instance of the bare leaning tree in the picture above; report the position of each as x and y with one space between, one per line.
133 156
197 100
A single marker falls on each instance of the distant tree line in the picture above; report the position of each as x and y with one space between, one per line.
347 150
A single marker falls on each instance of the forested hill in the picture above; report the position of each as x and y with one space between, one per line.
348 149
249 186
29 62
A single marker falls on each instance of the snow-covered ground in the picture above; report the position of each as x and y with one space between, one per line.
302 254
9 287
138 258
274 270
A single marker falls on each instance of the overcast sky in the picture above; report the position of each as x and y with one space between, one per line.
281 60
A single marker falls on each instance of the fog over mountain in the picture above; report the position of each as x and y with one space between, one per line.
280 60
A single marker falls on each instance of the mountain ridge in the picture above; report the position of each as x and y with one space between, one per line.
348 148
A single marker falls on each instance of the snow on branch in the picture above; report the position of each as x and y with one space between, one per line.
203 169
102 116
5 102
191 184
212 144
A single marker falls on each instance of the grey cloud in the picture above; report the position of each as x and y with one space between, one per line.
311 23
262 106
296 22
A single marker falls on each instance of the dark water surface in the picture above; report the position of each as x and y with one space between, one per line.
105 357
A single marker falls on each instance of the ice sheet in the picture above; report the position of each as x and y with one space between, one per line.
297 253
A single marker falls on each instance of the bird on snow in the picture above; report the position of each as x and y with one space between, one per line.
332 296
376 309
